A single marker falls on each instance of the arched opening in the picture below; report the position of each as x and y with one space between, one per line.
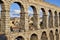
0 15
16 10
19 38
59 18
56 19
32 20
30 14
3 37
50 19
51 35
44 36
34 37
30 11
43 18
57 34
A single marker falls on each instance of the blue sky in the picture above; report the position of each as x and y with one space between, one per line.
14 9
55 2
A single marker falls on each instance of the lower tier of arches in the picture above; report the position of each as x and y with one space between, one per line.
33 35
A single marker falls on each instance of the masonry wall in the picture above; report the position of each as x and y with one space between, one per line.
50 29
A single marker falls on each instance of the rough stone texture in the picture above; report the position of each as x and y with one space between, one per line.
48 32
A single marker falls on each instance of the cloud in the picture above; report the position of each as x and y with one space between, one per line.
40 13
30 12
17 11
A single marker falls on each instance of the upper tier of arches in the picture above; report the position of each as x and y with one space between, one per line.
24 5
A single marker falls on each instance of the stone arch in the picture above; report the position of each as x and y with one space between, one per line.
56 19
57 34
17 23
51 35
30 11
19 38
43 22
20 5
59 18
50 18
32 25
43 10
44 36
34 37
50 12
34 9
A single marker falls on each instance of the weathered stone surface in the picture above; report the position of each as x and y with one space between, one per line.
49 30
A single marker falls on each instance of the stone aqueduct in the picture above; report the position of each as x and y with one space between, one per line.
50 29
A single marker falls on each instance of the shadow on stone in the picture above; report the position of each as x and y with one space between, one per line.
3 37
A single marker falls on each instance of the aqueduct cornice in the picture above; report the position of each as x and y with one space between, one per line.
34 2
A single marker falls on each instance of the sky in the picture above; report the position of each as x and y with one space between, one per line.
15 9
55 2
